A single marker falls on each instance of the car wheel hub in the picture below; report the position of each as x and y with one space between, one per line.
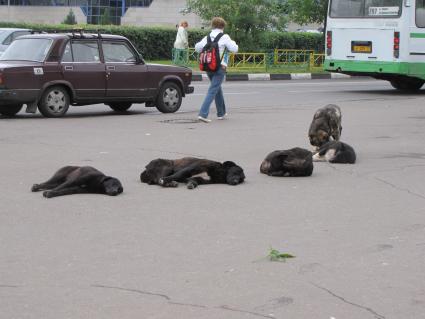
56 101
171 97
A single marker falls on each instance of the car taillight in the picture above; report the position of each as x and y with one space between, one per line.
329 42
396 45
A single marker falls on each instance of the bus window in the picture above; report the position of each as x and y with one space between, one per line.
365 8
420 13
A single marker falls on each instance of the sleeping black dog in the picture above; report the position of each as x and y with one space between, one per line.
335 152
325 126
168 173
77 180
294 162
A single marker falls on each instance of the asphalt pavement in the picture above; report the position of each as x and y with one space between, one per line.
357 231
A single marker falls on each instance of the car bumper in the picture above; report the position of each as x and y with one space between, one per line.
189 90
17 96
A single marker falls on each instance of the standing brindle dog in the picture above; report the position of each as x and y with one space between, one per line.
168 173
77 180
326 125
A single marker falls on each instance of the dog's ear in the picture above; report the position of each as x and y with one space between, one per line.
228 164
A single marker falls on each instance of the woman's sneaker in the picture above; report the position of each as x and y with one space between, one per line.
203 119
222 117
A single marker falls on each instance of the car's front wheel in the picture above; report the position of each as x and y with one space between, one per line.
169 98
10 110
120 107
54 102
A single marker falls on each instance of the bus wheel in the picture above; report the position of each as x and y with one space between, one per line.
409 84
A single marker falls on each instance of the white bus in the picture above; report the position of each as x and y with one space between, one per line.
384 39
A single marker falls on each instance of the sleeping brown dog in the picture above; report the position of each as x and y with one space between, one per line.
293 162
326 125
168 173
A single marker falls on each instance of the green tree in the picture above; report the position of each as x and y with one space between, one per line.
246 20
105 18
308 11
70 18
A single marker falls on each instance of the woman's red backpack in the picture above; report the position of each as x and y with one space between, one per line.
209 58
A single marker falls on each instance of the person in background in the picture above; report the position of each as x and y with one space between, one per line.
226 45
181 43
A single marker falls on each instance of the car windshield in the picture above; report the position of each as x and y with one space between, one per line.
365 8
27 50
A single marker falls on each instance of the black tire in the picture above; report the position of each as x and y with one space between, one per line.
10 110
120 106
407 84
169 98
54 102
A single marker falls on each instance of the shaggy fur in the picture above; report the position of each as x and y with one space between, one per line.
326 125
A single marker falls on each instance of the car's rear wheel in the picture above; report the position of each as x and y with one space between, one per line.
120 107
407 84
10 110
54 102
169 98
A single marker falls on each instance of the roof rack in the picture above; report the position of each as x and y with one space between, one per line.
76 32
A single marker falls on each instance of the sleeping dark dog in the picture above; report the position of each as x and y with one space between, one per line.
77 180
336 152
326 125
294 162
168 173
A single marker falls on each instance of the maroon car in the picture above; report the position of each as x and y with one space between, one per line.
52 71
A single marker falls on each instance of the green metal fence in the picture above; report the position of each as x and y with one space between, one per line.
306 60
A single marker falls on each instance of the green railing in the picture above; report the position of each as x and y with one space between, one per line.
304 60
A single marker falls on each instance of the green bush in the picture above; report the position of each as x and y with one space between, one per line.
157 43
70 18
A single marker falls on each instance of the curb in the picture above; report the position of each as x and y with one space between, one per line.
274 77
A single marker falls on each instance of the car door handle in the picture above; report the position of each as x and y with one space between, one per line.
69 68
110 68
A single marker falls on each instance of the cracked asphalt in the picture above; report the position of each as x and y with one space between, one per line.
357 231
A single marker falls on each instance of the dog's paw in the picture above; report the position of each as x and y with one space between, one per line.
191 185
173 184
47 194
35 188
161 182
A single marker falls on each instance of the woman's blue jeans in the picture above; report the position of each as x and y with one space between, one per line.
214 93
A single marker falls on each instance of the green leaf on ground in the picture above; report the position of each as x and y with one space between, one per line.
276 255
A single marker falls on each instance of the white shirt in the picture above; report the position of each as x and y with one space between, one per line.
224 43
181 39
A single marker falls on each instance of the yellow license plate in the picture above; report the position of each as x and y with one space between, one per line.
362 49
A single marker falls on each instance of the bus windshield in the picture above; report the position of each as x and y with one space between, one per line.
365 8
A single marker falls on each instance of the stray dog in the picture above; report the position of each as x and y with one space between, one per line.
335 152
168 173
78 180
326 124
294 162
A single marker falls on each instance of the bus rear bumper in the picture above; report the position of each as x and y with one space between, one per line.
376 69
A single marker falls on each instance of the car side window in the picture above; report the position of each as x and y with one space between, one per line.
67 53
18 34
117 52
8 40
85 51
